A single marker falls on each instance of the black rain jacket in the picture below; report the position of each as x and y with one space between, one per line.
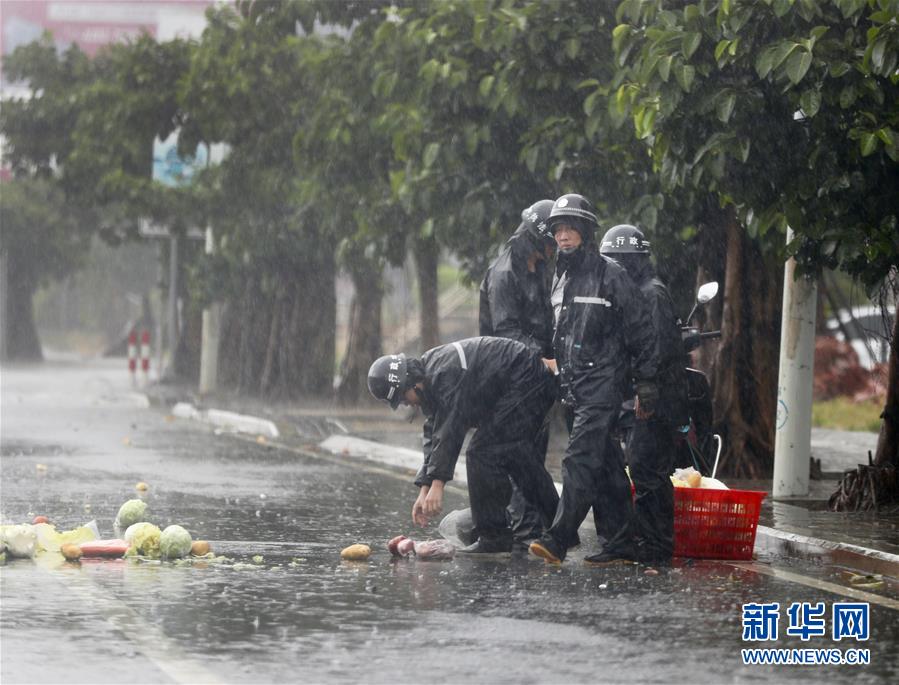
514 303
604 333
672 375
474 383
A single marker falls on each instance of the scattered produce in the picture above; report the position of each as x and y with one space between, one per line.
393 543
356 553
691 478
405 547
144 539
40 519
142 487
174 542
104 548
199 548
71 552
258 559
435 550
20 541
51 540
131 512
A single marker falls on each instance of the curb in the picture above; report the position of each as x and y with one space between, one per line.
227 420
861 558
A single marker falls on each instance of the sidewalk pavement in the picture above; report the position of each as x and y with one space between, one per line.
799 526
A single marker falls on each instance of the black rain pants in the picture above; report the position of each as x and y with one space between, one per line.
592 475
504 451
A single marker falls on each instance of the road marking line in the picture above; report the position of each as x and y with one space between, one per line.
789 576
149 640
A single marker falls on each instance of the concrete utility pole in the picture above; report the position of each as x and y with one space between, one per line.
792 444
4 323
209 352
172 314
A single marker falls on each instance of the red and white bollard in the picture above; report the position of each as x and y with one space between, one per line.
132 357
145 355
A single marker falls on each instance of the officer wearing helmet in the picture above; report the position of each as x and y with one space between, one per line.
503 390
603 342
514 297
650 441
514 303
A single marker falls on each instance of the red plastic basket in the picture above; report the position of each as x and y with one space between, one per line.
715 524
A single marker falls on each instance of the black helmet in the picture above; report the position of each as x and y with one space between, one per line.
387 379
624 239
535 217
577 211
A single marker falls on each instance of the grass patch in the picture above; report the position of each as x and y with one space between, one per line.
842 413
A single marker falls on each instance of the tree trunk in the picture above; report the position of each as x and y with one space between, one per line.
313 330
888 441
712 263
268 377
876 485
364 339
187 354
426 254
22 341
744 379
278 342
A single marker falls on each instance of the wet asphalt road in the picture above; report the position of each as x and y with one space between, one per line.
303 615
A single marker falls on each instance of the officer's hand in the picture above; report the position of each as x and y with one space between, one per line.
434 500
418 514
640 411
551 365
647 398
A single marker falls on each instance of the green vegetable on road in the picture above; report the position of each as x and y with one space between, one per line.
131 512
174 543
144 539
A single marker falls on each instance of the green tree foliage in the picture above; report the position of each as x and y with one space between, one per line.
787 111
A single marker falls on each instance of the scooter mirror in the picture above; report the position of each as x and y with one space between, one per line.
706 292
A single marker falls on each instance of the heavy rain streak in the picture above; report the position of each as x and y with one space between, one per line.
449 341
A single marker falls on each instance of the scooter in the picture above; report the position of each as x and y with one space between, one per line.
697 445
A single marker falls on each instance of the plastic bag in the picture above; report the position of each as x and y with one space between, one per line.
435 550
458 527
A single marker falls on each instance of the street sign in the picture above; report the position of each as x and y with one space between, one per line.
173 170
148 229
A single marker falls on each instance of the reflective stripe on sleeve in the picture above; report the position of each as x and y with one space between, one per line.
593 300
461 353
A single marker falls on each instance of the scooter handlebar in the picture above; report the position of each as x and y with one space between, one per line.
692 337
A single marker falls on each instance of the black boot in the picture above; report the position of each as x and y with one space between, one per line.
611 557
488 547
547 549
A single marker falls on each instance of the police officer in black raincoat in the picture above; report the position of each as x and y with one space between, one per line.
604 342
650 445
514 297
514 303
497 386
